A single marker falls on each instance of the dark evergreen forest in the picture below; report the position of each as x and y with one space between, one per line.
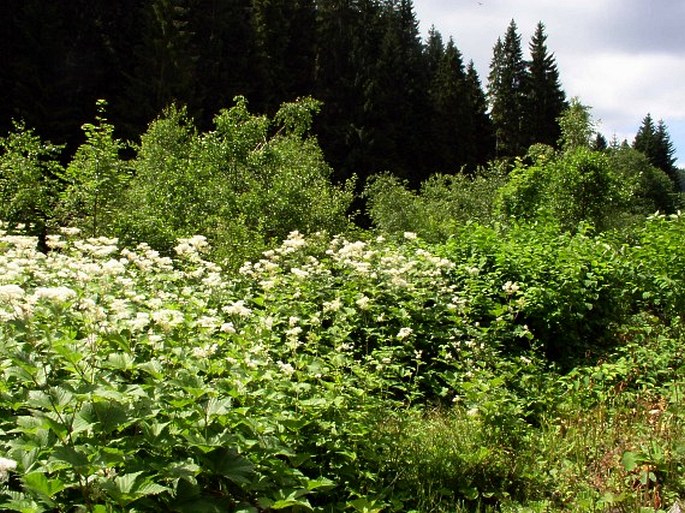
391 100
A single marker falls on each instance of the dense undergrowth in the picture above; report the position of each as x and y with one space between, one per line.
510 341
508 369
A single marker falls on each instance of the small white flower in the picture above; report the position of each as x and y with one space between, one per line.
363 303
208 322
11 292
293 332
168 319
140 322
510 288
332 306
227 327
237 308
205 351
410 235
286 368
6 465
404 333
299 272
54 294
70 231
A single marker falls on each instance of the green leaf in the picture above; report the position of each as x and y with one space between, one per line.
72 456
120 361
630 461
111 416
125 482
231 466
322 483
41 484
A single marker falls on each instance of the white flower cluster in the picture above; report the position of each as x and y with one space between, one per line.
6 465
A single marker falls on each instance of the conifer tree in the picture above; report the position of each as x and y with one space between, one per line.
481 134
448 98
165 59
664 157
224 42
347 47
285 49
655 143
397 95
434 50
506 92
645 139
545 100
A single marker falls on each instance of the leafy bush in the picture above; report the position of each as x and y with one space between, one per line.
575 187
95 180
567 287
444 203
29 180
249 181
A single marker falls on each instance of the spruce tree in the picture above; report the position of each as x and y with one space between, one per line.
164 69
480 135
224 41
645 139
545 100
664 157
434 50
655 143
448 98
397 95
348 37
285 49
506 92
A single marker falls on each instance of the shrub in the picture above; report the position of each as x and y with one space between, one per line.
248 182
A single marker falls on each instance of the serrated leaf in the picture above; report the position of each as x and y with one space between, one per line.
153 368
322 483
150 488
38 399
120 361
217 407
65 453
125 482
111 416
231 466
41 484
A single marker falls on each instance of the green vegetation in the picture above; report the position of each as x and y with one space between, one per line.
510 341
196 320
506 370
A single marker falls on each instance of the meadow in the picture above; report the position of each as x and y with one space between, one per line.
504 369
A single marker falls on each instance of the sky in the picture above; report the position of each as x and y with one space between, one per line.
622 58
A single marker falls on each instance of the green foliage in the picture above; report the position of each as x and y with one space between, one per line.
654 142
444 203
96 179
545 99
650 188
239 185
29 174
576 126
507 94
578 186
345 375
